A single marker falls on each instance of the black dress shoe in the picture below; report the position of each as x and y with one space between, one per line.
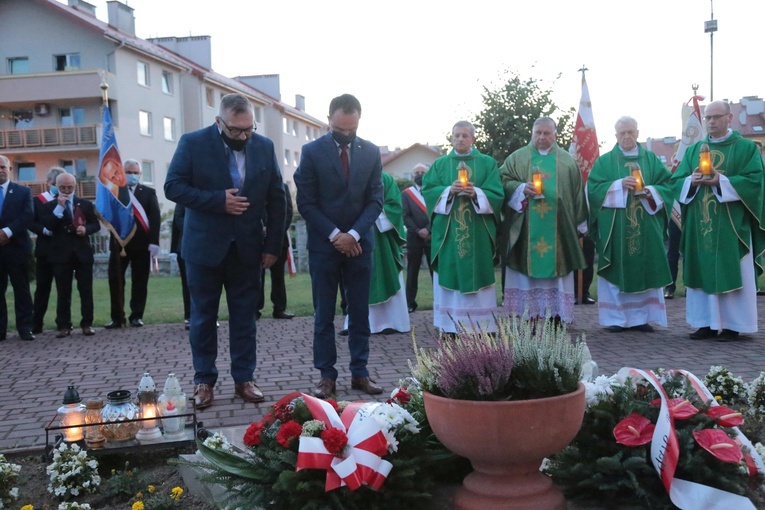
258 315
283 315
114 325
88 331
2 337
187 324
703 333
136 323
36 330
727 335
587 300
669 294
343 332
614 329
63 332
26 335
412 309
645 328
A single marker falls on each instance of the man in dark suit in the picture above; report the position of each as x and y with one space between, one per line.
417 223
16 214
229 181
278 289
340 195
71 219
43 269
142 247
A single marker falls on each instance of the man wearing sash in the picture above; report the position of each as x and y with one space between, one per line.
723 232
463 215
417 224
629 211
387 299
539 233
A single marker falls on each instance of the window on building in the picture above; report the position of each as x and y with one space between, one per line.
27 172
294 128
23 119
142 68
18 65
72 116
286 157
258 114
286 126
167 82
67 164
66 62
296 160
144 122
81 168
147 171
210 96
169 126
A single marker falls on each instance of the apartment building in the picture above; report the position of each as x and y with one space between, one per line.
54 58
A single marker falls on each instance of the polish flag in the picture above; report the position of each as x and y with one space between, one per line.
692 133
584 143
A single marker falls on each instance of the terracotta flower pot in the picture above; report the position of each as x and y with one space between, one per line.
506 443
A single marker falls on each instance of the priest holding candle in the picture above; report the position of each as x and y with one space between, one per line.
463 195
538 238
630 201
723 229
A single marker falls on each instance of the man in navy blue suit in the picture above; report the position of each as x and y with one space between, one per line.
229 182
340 195
16 213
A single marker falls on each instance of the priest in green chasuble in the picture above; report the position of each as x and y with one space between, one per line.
539 237
630 201
388 312
463 195
723 234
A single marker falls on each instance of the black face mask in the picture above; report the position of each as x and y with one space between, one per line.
418 179
235 145
343 139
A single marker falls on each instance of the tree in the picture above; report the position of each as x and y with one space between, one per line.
505 123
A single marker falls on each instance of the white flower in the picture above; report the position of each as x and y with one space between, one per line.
14 493
601 386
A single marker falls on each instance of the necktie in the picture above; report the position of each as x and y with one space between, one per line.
344 161
233 169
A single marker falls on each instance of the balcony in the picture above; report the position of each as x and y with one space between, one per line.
37 138
85 188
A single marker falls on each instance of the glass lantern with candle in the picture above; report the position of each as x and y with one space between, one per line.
536 179
638 175
147 408
117 417
462 173
72 414
93 436
171 403
705 162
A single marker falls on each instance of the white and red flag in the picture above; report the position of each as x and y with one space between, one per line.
584 143
693 131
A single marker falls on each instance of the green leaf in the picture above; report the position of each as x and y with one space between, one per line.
231 463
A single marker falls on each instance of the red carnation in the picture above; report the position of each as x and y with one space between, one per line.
679 408
287 432
725 416
252 435
634 430
334 440
282 412
719 444
334 404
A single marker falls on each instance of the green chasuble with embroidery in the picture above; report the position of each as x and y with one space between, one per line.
630 241
463 242
542 240
386 258
717 235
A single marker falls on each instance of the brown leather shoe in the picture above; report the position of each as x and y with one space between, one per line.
366 385
63 332
250 392
325 388
88 331
203 395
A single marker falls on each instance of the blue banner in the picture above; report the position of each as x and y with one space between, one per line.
112 197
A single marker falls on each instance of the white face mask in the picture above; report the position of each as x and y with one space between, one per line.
132 179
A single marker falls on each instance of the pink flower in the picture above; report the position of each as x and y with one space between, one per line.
679 408
725 416
719 444
634 430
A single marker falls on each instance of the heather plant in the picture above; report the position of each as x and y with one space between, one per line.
522 360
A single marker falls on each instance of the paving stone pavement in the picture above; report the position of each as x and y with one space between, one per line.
38 372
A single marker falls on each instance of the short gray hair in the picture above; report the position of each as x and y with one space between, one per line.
129 162
546 120
464 123
236 104
53 173
623 120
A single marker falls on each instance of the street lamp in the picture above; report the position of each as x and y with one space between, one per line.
710 27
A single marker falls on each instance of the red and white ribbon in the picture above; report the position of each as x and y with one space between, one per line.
665 454
360 462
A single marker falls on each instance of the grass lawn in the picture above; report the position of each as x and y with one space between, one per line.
165 304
